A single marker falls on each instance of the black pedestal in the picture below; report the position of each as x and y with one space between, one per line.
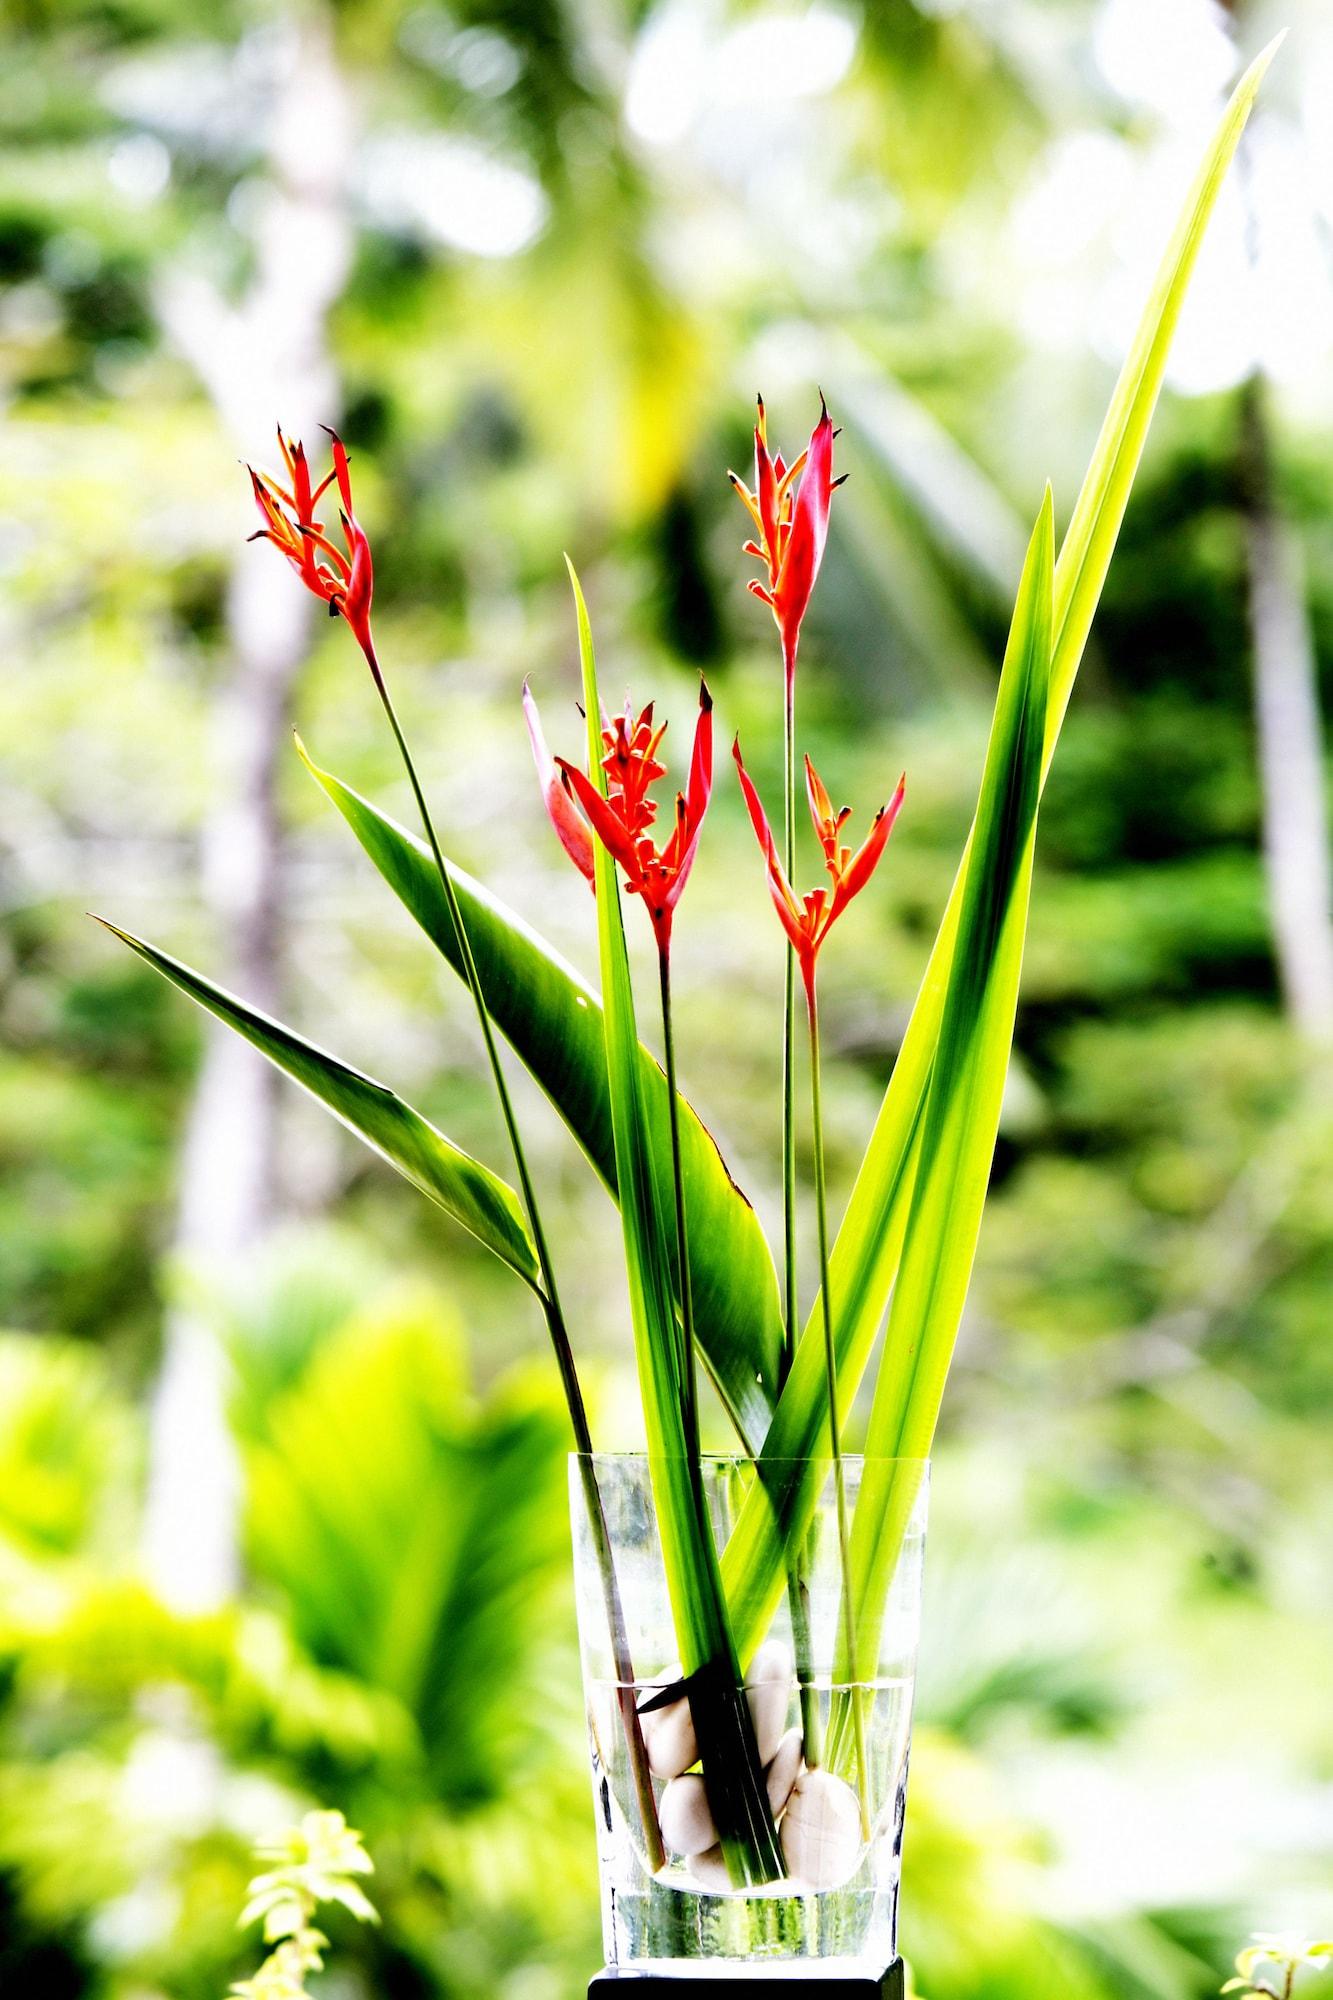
751 1982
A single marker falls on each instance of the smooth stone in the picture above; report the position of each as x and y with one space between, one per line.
709 1870
687 1822
768 1691
821 1830
668 1733
781 1775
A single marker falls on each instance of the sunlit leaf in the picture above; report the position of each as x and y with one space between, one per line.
467 1190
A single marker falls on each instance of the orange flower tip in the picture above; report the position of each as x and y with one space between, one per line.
736 480
841 479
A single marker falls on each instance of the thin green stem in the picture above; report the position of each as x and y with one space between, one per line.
554 1315
835 1427
688 1371
789 1032
550 1301
797 1594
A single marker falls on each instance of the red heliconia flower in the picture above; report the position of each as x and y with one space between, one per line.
623 819
809 919
344 582
790 510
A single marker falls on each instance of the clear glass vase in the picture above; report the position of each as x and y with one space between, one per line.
831 1726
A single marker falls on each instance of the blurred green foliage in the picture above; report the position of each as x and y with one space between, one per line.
1126 1749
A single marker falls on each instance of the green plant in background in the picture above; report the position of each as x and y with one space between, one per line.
399 1646
1272 1963
909 1237
318 1862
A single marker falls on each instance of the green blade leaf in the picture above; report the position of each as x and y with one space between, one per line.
869 1243
952 1139
961 1115
718 1705
470 1192
553 1020
1085 553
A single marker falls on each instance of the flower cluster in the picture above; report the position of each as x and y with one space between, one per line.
790 510
345 582
622 819
808 920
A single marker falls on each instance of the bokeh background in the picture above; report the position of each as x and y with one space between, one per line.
281 1482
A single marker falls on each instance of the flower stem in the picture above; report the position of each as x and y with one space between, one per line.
688 1373
835 1428
551 1298
718 1702
789 1031
797 1594
550 1301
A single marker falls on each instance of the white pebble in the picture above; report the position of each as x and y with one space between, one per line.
687 1822
768 1690
782 1773
668 1733
709 1870
821 1831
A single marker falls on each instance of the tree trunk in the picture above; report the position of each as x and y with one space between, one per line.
264 357
1290 735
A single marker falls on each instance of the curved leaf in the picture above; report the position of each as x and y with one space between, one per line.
470 1192
553 1020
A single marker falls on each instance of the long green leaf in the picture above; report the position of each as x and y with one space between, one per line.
961 1117
553 1020
689 1555
869 1243
951 1144
470 1192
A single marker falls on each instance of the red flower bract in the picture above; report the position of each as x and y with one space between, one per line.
809 919
622 819
790 510
344 582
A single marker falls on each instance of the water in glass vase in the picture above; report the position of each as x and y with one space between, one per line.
838 1895
831 1756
